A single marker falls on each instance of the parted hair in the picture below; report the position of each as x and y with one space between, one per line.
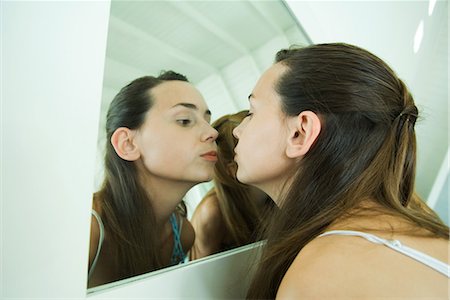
366 150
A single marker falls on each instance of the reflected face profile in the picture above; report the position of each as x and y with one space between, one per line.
262 134
176 141
159 145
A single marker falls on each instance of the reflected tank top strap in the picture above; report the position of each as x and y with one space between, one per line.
100 241
178 254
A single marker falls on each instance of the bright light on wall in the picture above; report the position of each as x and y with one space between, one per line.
431 5
418 37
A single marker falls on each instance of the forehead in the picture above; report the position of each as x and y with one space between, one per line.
170 93
266 84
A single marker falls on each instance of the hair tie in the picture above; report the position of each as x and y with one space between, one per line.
410 116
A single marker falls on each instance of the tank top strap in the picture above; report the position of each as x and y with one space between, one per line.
178 254
100 241
396 245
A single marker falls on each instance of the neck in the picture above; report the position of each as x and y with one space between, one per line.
165 195
276 190
273 194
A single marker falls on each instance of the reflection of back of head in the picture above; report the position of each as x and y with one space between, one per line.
242 212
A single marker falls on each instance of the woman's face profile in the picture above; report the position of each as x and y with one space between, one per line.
262 136
176 141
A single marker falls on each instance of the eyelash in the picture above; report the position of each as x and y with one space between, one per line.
184 122
249 114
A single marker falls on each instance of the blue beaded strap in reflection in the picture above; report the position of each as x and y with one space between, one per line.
178 254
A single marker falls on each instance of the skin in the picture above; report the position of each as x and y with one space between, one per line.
267 133
209 227
174 150
172 142
211 234
352 268
265 126
348 267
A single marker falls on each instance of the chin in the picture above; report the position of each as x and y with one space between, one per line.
241 178
205 178
209 178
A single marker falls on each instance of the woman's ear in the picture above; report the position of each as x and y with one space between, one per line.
124 144
303 132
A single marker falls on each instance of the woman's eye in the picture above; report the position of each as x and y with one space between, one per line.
184 122
249 114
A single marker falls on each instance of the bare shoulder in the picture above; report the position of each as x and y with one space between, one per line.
207 216
187 235
326 268
352 267
209 228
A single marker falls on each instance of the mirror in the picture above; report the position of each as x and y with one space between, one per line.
222 47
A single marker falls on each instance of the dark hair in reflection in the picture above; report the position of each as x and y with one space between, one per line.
126 210
366 149
240 211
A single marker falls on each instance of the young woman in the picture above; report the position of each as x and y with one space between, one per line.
330 137
159 145
230 213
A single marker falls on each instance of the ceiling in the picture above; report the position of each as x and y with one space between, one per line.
211 42
196 37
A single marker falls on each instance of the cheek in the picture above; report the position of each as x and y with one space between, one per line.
252 151
259 140
262 154
166 161
159 153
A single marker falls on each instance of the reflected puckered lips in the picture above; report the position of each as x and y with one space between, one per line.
211 155
235 154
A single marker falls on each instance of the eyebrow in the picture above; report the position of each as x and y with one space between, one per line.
191 106
250 96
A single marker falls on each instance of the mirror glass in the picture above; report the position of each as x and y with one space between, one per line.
222 47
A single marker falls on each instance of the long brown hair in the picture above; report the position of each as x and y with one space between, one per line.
125 206
366 150
240 212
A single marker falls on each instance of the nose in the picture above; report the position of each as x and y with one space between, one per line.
237 131
211 134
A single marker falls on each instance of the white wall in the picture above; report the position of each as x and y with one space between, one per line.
52 69
388 29
52 60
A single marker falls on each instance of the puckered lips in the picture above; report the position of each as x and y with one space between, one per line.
210 156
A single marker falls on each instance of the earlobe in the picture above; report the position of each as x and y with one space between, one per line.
304 130
123 142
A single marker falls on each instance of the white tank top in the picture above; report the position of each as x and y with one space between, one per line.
100 242
431 262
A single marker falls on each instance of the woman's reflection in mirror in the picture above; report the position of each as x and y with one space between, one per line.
231 213
159 144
